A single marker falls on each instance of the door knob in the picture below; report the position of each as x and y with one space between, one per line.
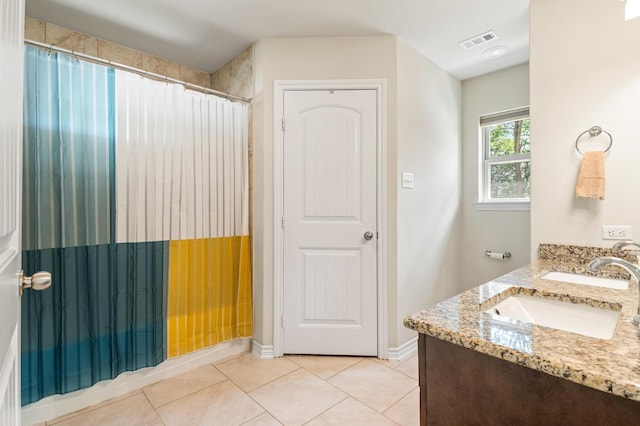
368 235
38 281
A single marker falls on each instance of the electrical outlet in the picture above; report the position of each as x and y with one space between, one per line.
617 232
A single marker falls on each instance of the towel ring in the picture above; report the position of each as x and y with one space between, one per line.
594 131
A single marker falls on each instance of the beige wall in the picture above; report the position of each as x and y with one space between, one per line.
585 71
303 59
490 230
428 216
423 136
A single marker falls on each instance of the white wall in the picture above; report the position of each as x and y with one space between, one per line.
585 71
490 230
429 219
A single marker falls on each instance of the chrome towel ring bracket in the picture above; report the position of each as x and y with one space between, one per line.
593 132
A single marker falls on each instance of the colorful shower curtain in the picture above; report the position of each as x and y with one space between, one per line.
136 200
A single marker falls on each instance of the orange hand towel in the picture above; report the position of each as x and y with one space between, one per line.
591 181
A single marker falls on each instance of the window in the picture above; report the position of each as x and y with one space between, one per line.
505 170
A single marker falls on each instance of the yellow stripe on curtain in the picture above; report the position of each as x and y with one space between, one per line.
209 292
182 176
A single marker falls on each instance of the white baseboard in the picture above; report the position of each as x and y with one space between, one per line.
400 353
261 351
58 405
404 351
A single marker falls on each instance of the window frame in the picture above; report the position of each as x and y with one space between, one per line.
485 202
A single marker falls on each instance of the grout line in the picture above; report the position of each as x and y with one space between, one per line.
271 381
91 408
152 407
261 414
359 359
192 393
264 408
347 396
298 369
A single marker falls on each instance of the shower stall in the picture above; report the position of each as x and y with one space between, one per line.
135 198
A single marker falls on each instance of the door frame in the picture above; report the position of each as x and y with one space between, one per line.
280 87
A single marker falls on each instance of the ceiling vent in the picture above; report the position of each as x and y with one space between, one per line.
478 40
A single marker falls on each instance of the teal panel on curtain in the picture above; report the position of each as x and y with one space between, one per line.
104 312
68 140
92 325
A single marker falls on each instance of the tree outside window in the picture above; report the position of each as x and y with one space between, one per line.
510 179
506 167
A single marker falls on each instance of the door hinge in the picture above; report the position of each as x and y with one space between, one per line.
283 124
283 223
282 322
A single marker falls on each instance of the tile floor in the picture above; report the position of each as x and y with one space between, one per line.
294 390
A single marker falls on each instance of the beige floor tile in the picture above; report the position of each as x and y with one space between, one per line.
324 366
297 397
181 385
221 404
374 384
406 411
291 389
351 412
391 363
250 372
264 419
409 367
135 410
94 407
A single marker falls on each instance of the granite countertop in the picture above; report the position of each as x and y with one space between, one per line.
608 365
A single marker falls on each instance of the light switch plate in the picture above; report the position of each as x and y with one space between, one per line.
407 180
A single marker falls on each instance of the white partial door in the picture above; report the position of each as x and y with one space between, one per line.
11 78
329 222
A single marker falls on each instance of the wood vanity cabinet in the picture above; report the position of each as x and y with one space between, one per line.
459 386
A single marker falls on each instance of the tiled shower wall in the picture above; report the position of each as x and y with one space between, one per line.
236 76
48 33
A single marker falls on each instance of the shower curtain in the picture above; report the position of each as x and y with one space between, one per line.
136 200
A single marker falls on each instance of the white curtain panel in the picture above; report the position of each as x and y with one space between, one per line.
181 163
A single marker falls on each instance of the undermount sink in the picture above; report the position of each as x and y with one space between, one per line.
573 317
587 280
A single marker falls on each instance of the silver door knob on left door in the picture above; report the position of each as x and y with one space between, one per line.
368 235
38 281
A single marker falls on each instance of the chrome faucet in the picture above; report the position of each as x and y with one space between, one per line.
620 245
596 264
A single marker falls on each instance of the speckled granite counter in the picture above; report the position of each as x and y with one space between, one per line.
611 365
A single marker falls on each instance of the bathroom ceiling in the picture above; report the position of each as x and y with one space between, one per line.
205 34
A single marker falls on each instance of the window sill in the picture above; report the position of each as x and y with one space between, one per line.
502 205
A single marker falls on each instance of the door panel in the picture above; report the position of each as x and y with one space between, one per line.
326 292
11 69
330 270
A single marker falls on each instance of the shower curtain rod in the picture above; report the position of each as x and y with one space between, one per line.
134 70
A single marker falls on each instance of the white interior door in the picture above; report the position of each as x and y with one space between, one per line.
11 69
329 222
